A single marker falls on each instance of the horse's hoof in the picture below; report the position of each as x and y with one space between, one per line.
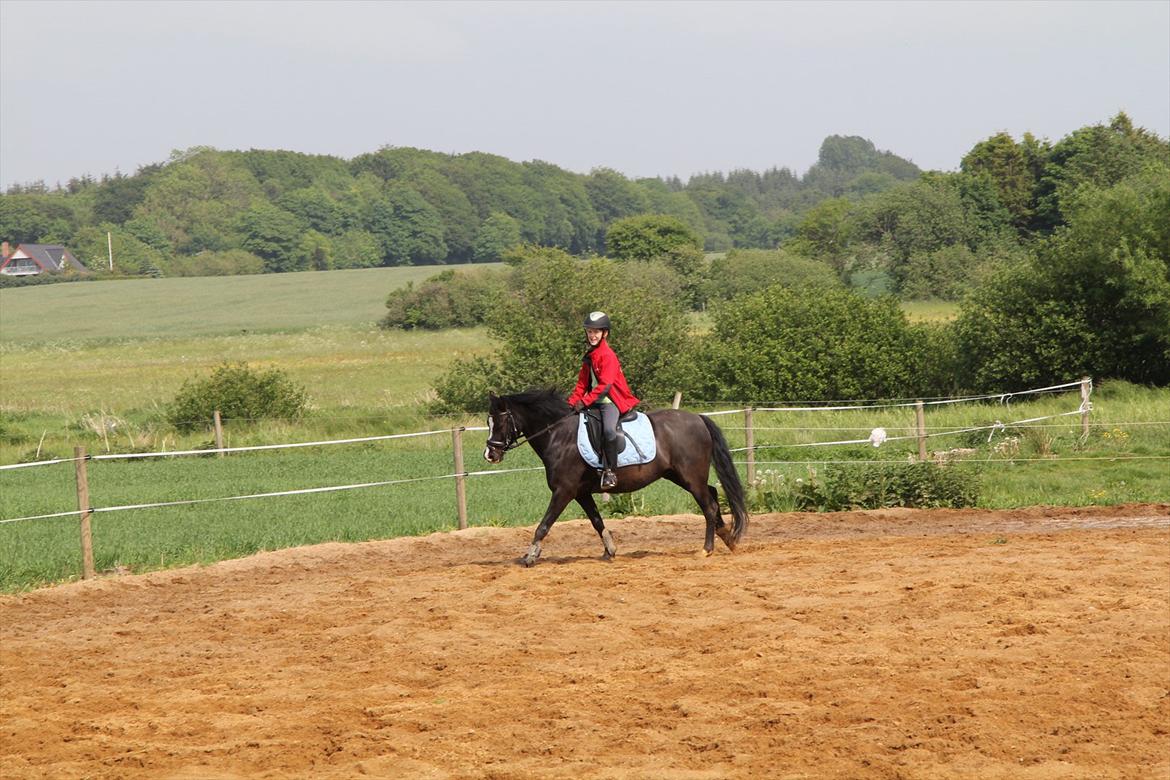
610 547
530 557
728 539
704 553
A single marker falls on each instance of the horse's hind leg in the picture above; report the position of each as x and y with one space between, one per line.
723 529
585 499
708 501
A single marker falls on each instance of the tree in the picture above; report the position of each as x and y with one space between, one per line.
614 196
1095 299
116 197
538 327
314 252
1099 155
273 234
35 218
357 249
498 233
649 237
826 234
408 228
665 239
197 199
1013 169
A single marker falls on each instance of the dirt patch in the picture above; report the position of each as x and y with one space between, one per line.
1031 643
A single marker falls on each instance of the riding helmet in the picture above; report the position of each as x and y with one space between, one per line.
597 320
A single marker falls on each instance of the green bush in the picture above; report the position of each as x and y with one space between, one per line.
447 300
815 344
867 486
239 393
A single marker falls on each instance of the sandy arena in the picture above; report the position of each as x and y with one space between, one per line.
896 644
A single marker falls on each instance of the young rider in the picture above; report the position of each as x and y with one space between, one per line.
602 385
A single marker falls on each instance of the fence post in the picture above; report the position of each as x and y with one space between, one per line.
920 417
79 458
750 443
218 432
460 477
677 400
1086 389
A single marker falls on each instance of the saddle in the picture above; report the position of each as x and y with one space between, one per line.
633 428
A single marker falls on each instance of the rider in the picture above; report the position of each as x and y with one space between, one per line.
602 385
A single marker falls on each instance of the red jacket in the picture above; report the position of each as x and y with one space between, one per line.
603 363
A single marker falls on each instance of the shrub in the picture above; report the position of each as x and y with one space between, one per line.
446 300
815 344
239 393
868 486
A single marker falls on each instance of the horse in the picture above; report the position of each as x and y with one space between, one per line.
687 444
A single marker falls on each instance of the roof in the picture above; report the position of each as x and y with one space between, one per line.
50 257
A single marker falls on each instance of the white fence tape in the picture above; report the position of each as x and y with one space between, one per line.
299 492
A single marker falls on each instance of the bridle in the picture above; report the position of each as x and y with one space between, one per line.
512 433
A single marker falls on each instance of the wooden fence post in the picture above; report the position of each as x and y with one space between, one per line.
920 417
460 477
750 443
218 432
1086 389
79 458
677 400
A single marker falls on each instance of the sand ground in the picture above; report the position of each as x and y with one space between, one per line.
893 644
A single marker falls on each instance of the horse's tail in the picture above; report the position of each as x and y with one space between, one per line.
729 479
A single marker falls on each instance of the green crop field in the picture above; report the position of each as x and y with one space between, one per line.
196 306
104 384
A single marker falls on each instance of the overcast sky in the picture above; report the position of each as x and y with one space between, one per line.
655 88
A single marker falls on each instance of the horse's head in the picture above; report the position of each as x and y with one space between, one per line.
502 430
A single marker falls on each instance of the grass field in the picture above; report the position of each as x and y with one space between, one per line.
105 387
197 306
930 311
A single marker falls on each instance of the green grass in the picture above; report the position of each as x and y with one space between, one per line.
185 307
930 311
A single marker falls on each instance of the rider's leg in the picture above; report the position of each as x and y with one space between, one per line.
609 446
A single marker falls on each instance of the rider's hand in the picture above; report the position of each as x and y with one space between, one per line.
578 407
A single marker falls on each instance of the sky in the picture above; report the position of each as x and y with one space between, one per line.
645 88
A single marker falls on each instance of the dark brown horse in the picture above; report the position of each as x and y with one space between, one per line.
687 444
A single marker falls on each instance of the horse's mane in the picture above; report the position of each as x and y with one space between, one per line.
542 403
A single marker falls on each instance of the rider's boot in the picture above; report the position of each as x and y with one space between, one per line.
608 461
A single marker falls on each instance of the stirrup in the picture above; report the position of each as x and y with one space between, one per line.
608 479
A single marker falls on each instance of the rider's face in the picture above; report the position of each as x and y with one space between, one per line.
593 336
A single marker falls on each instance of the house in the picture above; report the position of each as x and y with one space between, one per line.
29 259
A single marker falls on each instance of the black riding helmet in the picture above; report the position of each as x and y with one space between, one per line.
597 320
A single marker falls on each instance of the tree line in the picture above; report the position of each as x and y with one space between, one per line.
875 218
205 211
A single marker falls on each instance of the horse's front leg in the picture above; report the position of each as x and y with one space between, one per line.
585 499
556 505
